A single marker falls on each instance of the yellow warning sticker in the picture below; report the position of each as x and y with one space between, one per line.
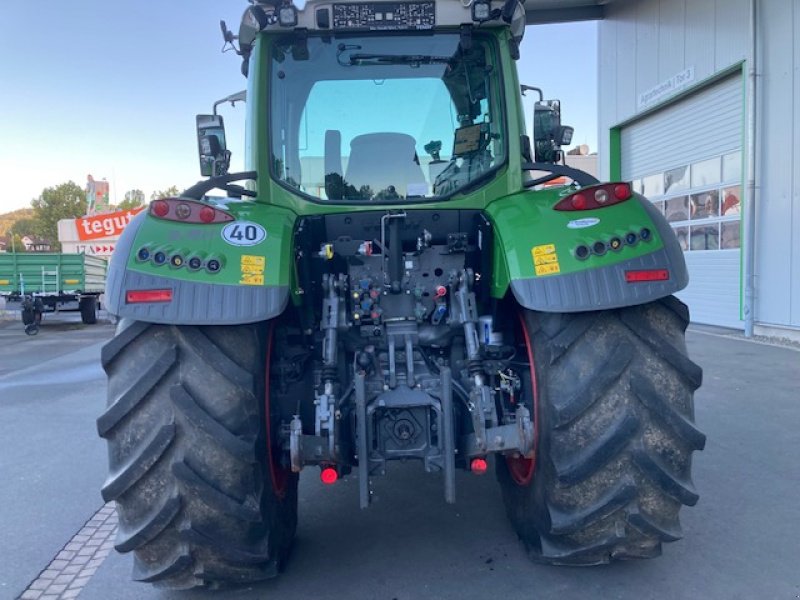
550 269
258 261
252 279
545 259
252 268
544 249
4 281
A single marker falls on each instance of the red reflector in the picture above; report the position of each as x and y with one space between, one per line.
478 466
160 208
329 476
137 296
652 275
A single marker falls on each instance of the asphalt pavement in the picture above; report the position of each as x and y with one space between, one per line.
741 541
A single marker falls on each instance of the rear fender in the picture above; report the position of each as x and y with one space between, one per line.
251 285
544 272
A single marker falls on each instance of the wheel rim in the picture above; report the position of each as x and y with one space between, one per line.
522 469
279 475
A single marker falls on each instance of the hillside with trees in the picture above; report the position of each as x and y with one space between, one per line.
7 220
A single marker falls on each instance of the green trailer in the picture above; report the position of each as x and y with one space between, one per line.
48 282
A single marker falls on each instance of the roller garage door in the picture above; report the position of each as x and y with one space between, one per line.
687 159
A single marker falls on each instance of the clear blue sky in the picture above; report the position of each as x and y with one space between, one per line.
111 88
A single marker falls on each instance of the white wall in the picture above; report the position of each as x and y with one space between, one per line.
642 43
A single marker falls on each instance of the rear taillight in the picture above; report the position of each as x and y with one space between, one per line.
141 296
596 196
188 211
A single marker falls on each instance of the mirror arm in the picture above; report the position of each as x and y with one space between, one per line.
582 178
199 189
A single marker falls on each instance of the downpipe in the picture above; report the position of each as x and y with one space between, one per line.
749 223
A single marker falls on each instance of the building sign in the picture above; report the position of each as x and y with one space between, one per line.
96 196
105 249
666 88
109 225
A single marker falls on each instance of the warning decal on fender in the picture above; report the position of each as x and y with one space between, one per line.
545 259
243 233
252 270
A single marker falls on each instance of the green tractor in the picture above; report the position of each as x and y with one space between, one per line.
391 280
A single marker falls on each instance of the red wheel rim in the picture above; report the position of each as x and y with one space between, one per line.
278 475
521 468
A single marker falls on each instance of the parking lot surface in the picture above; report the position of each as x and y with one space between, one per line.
741 541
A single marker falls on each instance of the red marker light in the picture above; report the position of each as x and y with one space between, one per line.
207 214
622 191
441 291
160 208
139 296
579 202
478 466
329 476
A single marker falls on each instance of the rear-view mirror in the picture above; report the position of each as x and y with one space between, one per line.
548 132
214 155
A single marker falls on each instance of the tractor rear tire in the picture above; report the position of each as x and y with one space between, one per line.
188 453
88 308
615 435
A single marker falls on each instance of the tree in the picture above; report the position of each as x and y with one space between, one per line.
133 199
15 243
167 193
64 201
25 227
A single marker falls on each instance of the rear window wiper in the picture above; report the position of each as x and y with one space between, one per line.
360 59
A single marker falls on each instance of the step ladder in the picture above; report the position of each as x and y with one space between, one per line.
50 279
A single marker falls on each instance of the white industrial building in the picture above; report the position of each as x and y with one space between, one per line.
699 105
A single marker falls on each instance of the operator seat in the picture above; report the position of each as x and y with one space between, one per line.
380 160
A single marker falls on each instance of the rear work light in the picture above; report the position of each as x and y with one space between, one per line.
649 275
596 196
188 211
143 296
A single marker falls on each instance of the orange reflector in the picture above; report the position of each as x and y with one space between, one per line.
650 275
478 466
138 296
329 476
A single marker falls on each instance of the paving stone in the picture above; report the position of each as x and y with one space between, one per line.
40 584
71 570
31 595
80 582
49 574
69 594
81 560
58 564
65 555
88 571
65 579
56 588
